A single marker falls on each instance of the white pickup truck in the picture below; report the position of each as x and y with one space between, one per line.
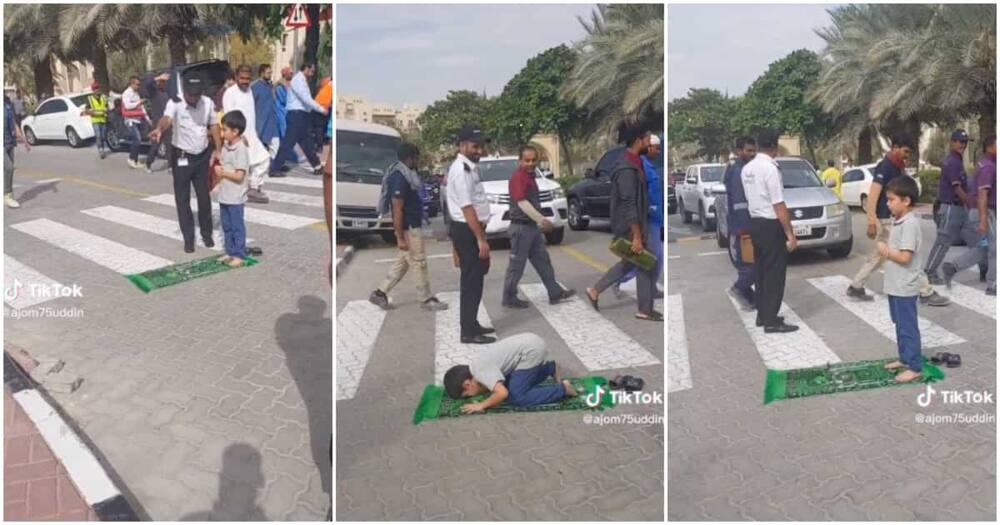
694 195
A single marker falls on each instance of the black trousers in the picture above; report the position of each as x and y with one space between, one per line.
770 261
196 174
474 272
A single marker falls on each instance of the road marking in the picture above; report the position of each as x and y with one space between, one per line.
255 215
296 181
673 257
585 259
48 181
972 298
876 313
678 364
358 326
24 286
602 346
705 254
435 256
107 253
799 349
295 198
116 189
448 348
150 223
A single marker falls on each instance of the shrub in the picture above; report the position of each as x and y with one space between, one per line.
929 184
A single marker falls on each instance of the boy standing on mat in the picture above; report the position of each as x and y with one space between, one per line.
233 187
511 370
903 276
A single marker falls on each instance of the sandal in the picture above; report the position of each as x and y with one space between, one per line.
593 301
953 361
651 316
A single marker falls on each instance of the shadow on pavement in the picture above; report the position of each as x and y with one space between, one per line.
306 337
240 481
33 191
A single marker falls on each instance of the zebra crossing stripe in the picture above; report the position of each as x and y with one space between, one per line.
104 252
358 326
678 363
971 298
24 286
448 348
602 346
799 349
295 198
149 223
254 215
876 313
296 181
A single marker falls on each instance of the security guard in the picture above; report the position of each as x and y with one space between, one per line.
97 110
189 156
469 211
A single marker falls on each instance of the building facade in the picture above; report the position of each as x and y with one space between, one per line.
357 107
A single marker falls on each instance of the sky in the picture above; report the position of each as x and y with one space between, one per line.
728 46
415 54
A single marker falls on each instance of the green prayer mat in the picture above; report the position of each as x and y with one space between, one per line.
177 273
838 377
435 403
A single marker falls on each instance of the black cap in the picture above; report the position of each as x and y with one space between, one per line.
960 135
472 133
194 84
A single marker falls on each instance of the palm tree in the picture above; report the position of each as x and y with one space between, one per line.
619 70
30 34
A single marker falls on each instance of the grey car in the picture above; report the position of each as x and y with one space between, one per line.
820 220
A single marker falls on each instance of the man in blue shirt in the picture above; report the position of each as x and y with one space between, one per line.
11 132
654 184
403 186
738 222
954 199
300 103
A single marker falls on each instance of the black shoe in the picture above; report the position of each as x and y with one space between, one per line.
189 248
483 330
209 243
516 304
858 293
285 169
379 299
565 294
277 174
256 251
478 340
781 320
780 328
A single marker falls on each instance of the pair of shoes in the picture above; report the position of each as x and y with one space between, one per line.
780 328
478 340
276 174
934 299
858 293
516 304
934 278
9 200
379 299
949 270
947 359
434 305
781 320
565 294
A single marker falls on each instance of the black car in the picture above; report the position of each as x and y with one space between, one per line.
671 200
591 197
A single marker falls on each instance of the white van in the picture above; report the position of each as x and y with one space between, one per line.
364 152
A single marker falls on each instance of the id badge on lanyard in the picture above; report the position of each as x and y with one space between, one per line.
183 160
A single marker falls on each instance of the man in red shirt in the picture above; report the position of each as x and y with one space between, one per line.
527 242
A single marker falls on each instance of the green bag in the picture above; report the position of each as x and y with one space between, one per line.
623 249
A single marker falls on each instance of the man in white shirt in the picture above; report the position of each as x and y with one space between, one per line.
469 211
238 97
770 232
135 115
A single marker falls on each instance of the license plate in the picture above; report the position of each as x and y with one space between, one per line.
802 231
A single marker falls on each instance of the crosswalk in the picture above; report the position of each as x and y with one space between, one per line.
812 345
600 346
115 247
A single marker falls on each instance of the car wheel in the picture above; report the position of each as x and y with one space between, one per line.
575 216
841 250
686 216
864 203
556 237
29 135
720 239
73 138
706 223
114 141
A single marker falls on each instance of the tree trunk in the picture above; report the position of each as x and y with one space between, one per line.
864 146
564 146
987 124
811 150
912 127
44 84
178 49
100 61
312 40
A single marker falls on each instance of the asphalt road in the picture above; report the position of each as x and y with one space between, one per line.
210 398
862 455
531 466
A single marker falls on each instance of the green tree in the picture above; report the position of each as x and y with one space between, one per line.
704 117
443 118
530 102
31 34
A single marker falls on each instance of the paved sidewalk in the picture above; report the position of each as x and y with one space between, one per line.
36 486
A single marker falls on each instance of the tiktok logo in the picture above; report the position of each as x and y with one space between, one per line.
924 399
13 291
594 398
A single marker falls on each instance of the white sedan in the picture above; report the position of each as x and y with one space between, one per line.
856 182
59 118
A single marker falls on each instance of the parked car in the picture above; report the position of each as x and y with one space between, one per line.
819 219
675 177
591 197
858 179
364 152
695 194
671 200
59 118
495 174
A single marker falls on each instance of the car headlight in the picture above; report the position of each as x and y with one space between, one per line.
835 210
494 198
558 193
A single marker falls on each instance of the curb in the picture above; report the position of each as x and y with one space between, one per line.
83 468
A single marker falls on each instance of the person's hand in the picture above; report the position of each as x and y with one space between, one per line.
872 229
636 245
484 249
547 226
472 408
218 170
402 243
982 228
883 249
154 135
455 259
792 243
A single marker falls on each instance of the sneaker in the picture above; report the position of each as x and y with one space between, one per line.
10 201
379 299
934 278
858 293
934 299
133 164
434 305
949 270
